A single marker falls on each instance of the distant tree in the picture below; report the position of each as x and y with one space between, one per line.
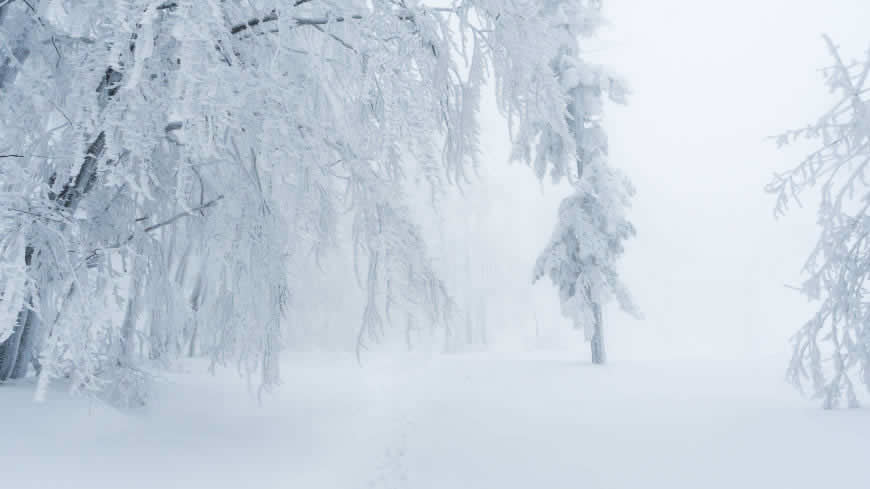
832 350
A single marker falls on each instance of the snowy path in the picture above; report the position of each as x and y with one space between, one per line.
455 422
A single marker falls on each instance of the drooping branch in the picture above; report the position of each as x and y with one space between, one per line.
180 215
273 16
317 21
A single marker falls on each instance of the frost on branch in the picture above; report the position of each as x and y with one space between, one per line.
831 353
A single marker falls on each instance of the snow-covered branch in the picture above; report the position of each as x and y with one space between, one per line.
832 349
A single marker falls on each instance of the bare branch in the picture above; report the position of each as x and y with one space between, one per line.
157 226
180 215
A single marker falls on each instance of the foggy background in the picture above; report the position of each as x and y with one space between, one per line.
709 267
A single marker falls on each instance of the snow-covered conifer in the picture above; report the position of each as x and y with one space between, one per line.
581 257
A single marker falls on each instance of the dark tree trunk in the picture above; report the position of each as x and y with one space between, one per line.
9 348
25 348
15 352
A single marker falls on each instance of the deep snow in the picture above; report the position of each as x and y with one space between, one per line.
474 421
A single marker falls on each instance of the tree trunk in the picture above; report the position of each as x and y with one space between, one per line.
15 351
25 348
597 342
191 349
196 300
128 327
9 348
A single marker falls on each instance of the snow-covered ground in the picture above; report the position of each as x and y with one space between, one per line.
476 421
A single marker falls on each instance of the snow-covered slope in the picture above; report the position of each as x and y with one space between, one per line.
449 422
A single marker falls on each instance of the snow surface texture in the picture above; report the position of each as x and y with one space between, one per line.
451 422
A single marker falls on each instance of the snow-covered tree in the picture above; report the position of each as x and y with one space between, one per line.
581 258
169 164
832 349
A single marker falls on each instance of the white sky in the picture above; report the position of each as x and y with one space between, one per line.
711 80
